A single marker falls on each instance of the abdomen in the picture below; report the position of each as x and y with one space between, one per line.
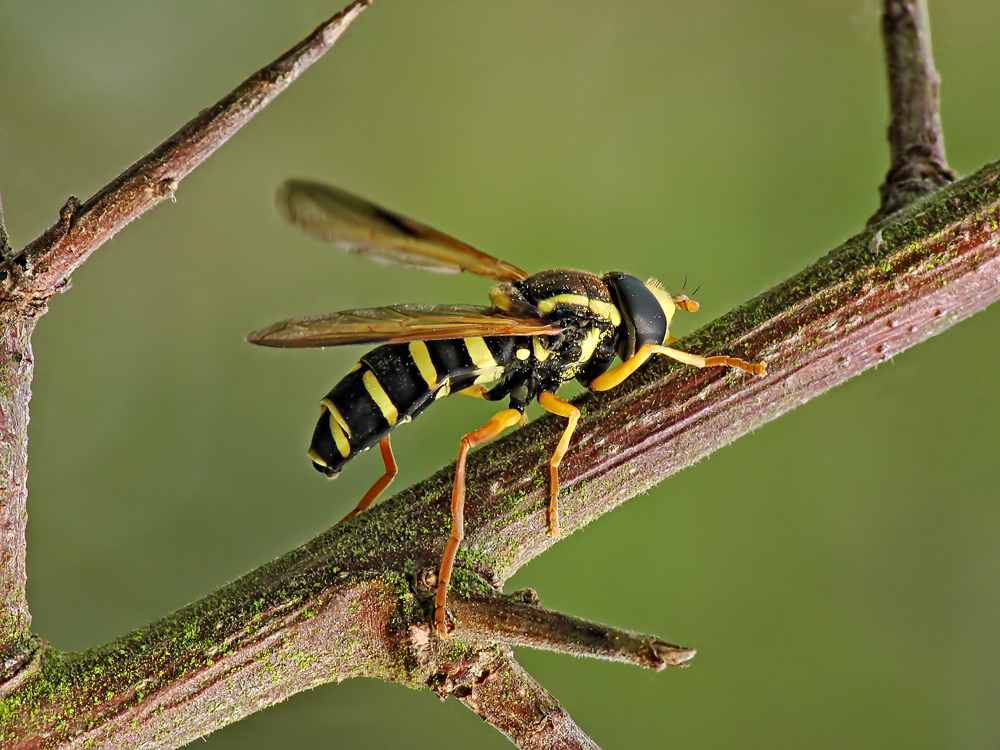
394 383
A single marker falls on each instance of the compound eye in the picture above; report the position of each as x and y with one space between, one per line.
645 313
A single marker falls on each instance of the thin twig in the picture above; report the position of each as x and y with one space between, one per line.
60 250
918 163
344 605
520 621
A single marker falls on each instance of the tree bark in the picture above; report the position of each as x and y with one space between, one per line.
17 363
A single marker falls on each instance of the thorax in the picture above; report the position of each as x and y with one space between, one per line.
580 303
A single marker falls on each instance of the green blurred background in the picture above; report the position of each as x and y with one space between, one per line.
838 570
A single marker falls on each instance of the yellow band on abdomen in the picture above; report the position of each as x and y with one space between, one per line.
380 397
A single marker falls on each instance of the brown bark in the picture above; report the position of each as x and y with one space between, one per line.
16 366
534 722
916 142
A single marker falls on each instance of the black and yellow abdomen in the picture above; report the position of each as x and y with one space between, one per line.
392 384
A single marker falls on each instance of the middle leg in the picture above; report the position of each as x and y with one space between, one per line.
555 405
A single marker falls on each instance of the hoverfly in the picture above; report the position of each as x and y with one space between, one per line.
539 332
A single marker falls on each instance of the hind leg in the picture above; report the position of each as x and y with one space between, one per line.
555 405
391 469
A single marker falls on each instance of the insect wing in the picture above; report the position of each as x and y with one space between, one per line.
396 323
360 227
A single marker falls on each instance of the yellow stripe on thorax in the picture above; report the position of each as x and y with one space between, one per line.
422 358
601 309
541 353
607 311
589 344
380 397
548 305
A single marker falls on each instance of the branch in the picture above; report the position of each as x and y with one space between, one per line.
508 698
29 278
916 142
16 368
16 365
352 601
519 621
52 257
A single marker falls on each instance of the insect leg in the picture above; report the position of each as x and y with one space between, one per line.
754 368
500 422
618 374
555 405
380 485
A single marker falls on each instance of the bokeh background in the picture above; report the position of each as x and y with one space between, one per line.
838 570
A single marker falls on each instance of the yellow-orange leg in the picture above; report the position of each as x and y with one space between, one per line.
379 487
555 405
618 374
499 423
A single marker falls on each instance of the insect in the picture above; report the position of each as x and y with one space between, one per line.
539 332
